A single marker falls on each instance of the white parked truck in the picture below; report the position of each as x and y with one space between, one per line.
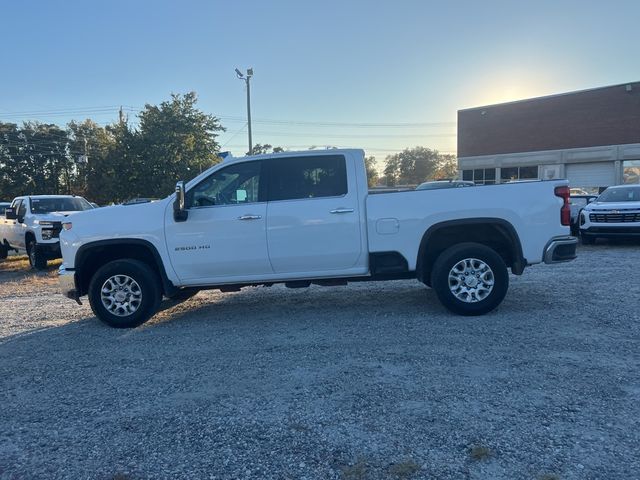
32 224
303 218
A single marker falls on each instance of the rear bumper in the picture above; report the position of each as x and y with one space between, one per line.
67 284
560 249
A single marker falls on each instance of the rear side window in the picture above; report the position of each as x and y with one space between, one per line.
307 177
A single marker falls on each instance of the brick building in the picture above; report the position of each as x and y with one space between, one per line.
591 137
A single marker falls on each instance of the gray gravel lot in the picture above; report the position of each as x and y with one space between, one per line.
367 381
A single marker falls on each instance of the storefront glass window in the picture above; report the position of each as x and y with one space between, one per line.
631 172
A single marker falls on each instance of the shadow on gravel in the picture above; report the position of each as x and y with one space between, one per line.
261 304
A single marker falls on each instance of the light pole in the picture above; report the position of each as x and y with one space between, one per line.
247 77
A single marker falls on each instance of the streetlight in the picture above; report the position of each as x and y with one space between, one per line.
246 77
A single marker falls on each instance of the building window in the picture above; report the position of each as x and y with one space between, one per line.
510 174
481 176
528 173
631 172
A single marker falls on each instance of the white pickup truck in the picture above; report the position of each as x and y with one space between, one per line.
302 218
32 225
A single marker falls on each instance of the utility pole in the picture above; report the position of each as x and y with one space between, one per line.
246 78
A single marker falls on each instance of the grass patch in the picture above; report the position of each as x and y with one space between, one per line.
480 452
549 476
404 469
18 278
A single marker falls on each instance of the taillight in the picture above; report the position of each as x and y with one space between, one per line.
565 211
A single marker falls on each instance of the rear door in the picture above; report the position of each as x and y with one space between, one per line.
313 215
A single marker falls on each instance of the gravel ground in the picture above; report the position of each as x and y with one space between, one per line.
367 381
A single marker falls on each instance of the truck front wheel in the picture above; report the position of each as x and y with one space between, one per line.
36 259
470 279
124 293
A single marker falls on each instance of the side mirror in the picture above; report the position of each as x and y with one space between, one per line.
180 213
10 214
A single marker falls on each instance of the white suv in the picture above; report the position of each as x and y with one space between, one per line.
615 213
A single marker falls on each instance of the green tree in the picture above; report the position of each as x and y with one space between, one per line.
13 175
34 158
372 171
447 168
412 166
261 149
175 141
89 146
392 170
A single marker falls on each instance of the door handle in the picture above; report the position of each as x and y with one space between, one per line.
342 210
249 217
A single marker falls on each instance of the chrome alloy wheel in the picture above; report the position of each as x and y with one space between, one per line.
471 280
121 295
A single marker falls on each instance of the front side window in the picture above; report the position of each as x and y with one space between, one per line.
307 177
22 209
235 184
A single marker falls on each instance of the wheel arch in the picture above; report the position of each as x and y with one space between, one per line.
92 256
495 233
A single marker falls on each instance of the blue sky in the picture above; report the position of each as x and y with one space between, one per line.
349 62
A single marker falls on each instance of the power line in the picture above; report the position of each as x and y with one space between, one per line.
232 118
347 135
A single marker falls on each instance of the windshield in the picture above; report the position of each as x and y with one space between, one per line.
48 205
621 194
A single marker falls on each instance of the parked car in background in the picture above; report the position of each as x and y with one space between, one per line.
438 184
615 213
32 224
577 203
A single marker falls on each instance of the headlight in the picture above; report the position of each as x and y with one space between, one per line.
46 229
67 225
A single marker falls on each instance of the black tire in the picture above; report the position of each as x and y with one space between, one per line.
144 292
4 251
495 271
586 239
36 259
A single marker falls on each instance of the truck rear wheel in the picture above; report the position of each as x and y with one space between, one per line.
124 293
36 259
470 279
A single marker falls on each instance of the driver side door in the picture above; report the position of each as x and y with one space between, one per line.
224 238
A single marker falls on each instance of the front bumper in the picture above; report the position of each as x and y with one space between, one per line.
560 249
67 284
611 231
50 250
